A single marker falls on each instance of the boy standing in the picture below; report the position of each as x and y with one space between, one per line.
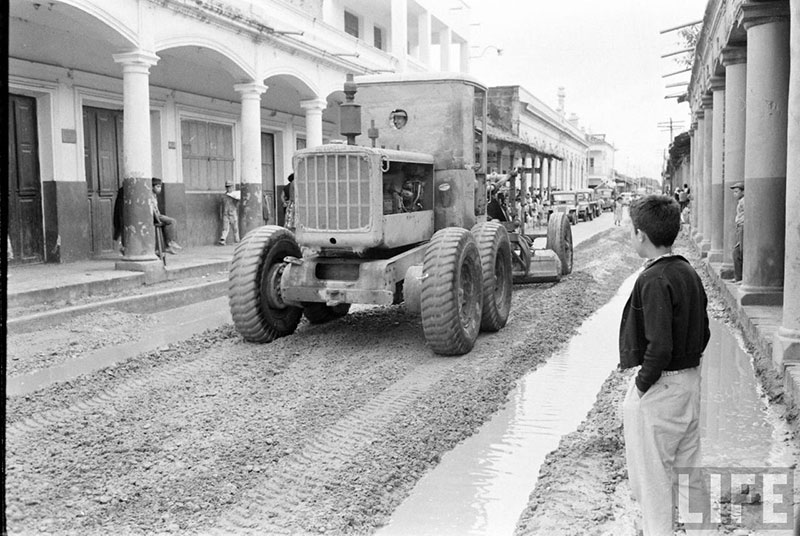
664 331
229 212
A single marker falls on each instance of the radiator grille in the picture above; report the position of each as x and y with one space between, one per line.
333 192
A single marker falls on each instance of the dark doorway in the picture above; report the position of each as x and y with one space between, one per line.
102 136
268 177
25 227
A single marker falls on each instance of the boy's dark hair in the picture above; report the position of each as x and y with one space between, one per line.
659 216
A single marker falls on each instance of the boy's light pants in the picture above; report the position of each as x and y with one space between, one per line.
662 431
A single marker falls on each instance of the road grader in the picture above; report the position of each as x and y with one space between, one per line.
401 220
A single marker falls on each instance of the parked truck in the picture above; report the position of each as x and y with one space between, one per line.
588 205
402 220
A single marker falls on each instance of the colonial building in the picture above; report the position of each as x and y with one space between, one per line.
193 92
105 94
601 161
745 99
524 132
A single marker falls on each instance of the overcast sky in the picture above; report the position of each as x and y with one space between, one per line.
606 55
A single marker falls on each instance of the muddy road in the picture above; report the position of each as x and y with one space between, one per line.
324 431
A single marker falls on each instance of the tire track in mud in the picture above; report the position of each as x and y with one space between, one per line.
290 501
158 378
272 503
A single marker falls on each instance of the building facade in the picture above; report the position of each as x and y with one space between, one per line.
524 132
745 99
601 161
193 92
104 96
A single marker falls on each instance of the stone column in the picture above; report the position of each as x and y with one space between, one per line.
313 108
445 38
786 347
689 179
767 25
705 190
250 206
139 233
424 33
735 61
399 41
697 178
463 53
717 159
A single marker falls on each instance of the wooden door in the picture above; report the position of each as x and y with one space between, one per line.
25 225
268 176
102 136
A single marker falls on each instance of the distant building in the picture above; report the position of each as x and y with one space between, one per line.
601 161
524 131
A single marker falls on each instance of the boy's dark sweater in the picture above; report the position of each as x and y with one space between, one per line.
664 324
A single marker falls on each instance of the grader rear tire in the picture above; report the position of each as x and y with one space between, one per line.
452 291
559 239
319 313
494 247
257 308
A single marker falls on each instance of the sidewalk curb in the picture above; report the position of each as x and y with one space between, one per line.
115 283
145 303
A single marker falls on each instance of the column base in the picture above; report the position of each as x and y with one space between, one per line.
715 256
791 381
154 270
749 295
725 270
786 347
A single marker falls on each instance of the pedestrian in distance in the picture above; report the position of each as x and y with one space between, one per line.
167 223
663 333
287 196
229 213
684 196
738 248
618 211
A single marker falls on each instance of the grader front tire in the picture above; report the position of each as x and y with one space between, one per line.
494 248
559 239
452 292
254 285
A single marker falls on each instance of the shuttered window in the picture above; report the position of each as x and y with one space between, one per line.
378 38
351 24
207 155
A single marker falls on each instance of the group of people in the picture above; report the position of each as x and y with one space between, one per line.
228 213
229 209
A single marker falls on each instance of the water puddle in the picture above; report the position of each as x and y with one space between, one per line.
482 486
737 426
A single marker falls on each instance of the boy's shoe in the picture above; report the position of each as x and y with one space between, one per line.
170 251
221 243
175 245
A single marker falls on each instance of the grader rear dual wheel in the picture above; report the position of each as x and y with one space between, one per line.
452 291
254 293
494 248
